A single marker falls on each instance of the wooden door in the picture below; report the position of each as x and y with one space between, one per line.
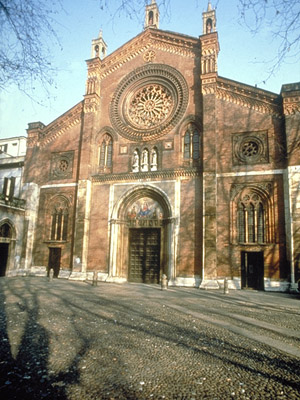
144 255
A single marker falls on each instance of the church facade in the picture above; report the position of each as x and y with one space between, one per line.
166 167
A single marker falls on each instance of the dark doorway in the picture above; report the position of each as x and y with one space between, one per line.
54 261
144 255
3 258
252 270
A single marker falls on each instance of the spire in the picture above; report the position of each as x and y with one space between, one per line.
209 20
151 16
99 47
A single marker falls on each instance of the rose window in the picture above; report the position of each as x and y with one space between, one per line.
149 102
150 106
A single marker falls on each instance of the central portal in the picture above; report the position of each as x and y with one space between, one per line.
144 255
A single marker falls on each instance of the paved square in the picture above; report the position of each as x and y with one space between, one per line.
70 340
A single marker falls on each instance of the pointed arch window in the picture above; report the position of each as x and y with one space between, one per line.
59 220
251 219
5 231
191 143
105 150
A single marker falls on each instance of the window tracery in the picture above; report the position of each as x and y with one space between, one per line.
105 152
150 106
59 220
252 219
191 143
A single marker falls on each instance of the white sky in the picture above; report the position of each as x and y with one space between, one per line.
243 57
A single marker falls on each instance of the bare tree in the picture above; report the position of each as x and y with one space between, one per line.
26 32
282 18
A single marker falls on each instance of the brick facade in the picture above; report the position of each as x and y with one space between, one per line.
211 164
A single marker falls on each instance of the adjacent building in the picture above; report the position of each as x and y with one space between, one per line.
12 206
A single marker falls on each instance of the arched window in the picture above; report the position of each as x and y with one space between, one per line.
191 143
209 26
59 220
186 145
251 219
150 19
5 231
105 150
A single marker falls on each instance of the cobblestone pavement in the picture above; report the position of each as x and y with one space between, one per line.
70 340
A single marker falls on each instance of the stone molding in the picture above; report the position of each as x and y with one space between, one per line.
246 96
62 165
260 150
143 176
265 188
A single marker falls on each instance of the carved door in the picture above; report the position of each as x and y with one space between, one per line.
144 255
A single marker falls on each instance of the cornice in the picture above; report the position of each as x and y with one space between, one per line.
60 125
146 176
248 96
151 39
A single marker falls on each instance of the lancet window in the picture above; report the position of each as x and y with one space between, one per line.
105 152
59 220
252 219
191 143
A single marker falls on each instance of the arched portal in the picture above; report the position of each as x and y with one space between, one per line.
142 236
7 234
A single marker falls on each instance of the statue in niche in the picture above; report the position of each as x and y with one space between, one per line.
153 160
135 161
145 160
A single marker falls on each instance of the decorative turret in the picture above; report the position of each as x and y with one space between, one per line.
209 20
209 50
99 47
152 16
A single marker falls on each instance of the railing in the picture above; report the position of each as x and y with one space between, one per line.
12 202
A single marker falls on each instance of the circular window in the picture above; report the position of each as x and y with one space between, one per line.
250 149
150 106
63 165
149 102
